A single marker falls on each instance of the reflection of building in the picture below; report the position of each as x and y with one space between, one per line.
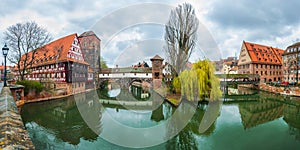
260 112
264 61
292 117
291 57
138 91
72 119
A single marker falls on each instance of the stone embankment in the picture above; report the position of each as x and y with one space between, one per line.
289 90
13 134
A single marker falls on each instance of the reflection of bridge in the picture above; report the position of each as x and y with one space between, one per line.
126 103
237 79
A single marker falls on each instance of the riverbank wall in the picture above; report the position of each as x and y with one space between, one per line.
53 97
13 134
290 91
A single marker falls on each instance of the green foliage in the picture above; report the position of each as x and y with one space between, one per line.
200 82
31 85
176 84
103 63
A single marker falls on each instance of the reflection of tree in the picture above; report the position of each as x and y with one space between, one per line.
292 118
178 124
157 114
62 117
103 90
196 120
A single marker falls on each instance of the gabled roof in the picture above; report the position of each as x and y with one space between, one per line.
88 33
156 57
56 51
264 54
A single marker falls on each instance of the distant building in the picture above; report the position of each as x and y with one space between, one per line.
233 70
291 63
60 65
264 61
223 66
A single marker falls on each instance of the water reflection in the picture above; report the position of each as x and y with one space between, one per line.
80 122
292 117
255 113
59 118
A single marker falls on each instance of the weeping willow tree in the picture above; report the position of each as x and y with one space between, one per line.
200 82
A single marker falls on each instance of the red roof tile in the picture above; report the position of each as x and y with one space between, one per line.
56 51
264 54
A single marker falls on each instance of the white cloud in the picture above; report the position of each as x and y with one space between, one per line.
276 25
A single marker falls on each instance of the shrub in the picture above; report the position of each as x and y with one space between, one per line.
31 85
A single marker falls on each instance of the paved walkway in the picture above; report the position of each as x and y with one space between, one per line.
13 134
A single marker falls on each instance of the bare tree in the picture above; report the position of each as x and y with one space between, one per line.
180 36
23 40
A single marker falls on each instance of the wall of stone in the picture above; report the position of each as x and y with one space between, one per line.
13 134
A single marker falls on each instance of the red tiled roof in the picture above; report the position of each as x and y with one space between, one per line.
228 63
7 67
235 68
56 51
264 54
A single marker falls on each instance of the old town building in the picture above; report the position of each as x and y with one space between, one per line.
261 60
91 48
229 63
291 63
60 65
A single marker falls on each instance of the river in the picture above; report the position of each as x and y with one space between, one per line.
252 120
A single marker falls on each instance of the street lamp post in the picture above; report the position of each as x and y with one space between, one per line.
5 52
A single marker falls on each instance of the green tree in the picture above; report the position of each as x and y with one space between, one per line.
200 82
103 63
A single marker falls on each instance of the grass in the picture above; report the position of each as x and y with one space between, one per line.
174 99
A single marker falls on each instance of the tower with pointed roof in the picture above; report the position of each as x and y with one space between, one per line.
157 63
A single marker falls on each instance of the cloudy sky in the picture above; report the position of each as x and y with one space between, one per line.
133 30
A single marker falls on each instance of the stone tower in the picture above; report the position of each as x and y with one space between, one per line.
91 47
157 63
